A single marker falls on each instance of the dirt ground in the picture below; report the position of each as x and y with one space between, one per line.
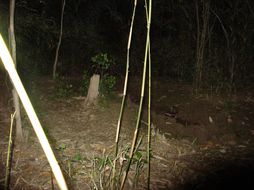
198 141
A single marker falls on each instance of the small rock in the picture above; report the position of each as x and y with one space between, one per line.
229 119
91 117
223 151
210 119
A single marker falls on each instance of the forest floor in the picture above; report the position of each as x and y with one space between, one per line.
198 141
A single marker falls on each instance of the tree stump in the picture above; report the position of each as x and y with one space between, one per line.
93 90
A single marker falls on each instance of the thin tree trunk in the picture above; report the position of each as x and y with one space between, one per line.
201 41
59 42
19 132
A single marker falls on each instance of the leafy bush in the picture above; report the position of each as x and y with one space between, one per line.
107 84
63 88
102 63
85 82
102 171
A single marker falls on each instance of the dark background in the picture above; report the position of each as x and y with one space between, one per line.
94 26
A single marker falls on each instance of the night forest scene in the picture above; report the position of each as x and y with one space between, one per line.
126 94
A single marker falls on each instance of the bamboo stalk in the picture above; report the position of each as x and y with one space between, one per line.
149 119
149 108
7 171
134 141
125 88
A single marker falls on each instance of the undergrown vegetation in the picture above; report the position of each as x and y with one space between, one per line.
103 166
64 88
103 65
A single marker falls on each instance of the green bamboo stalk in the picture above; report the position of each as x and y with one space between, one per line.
149 120
7 171
134 141
125 88
149 105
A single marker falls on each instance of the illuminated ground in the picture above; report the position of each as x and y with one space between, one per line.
200 155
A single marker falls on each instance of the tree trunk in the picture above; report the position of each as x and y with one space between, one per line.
19 132
201 41
59 42
93 90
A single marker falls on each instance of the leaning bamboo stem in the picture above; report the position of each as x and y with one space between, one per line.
148 106
125 87
7 171
149 118
10 67
134 141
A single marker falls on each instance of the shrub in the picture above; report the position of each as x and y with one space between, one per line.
107 84
102 64
85 82
63 88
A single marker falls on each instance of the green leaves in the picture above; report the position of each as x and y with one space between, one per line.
107 84
85 82
101 63
61 147
78 157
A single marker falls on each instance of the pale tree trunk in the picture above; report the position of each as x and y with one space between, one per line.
19 132
59 42
93 90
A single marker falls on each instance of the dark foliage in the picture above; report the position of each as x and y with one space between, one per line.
94 26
